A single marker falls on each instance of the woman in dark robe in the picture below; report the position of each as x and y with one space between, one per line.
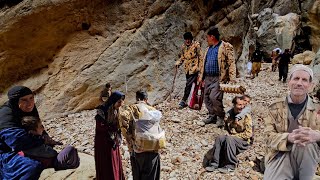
108 139
13 138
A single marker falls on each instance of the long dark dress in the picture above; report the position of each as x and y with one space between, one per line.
106 146
107 159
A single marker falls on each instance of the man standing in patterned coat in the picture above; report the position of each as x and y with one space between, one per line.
191 56
293 131
217 67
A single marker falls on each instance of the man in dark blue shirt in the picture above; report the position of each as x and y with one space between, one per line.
218 66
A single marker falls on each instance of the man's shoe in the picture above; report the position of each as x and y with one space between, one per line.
220 122
227 169
182 104
212 167
210 119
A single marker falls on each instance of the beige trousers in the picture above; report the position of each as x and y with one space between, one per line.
299 163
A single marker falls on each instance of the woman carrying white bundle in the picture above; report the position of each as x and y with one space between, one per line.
141 128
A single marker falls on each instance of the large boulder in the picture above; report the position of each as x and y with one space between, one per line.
305 58
316 71
277 31
313 24
86 170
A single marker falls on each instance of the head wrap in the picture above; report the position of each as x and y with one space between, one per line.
18 91
114 97
301 67
10 113
15 93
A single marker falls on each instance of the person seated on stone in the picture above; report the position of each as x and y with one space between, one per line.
141 128
245 110
237 140
67 159
292 131
105 93
14 138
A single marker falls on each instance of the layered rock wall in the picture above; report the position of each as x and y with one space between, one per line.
66 50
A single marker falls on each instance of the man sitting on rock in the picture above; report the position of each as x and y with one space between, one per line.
237 140
292 131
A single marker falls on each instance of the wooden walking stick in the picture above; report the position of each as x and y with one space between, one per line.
173 83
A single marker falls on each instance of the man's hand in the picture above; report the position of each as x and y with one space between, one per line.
232 81
291 137
304 136
199 80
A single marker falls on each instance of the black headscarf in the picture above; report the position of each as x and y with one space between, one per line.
10 113
114 97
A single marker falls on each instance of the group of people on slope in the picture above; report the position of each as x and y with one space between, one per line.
292 126
292 133
138 123
279 60
215 66
25 147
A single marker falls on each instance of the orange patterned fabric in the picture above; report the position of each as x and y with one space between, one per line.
191 57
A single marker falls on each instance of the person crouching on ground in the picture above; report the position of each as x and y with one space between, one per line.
226 147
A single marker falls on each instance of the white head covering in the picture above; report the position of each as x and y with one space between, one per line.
301 67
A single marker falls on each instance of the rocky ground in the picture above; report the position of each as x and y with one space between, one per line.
188 139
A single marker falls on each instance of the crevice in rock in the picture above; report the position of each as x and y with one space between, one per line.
138 71
9 3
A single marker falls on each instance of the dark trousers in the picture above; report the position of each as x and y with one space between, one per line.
68 158
213 96
226 149
283 72
191 78
145 166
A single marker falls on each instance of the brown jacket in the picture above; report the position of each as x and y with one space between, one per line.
127 117
276 131
191 56
241 130
226 61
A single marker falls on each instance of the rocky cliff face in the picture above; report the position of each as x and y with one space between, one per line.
66 50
